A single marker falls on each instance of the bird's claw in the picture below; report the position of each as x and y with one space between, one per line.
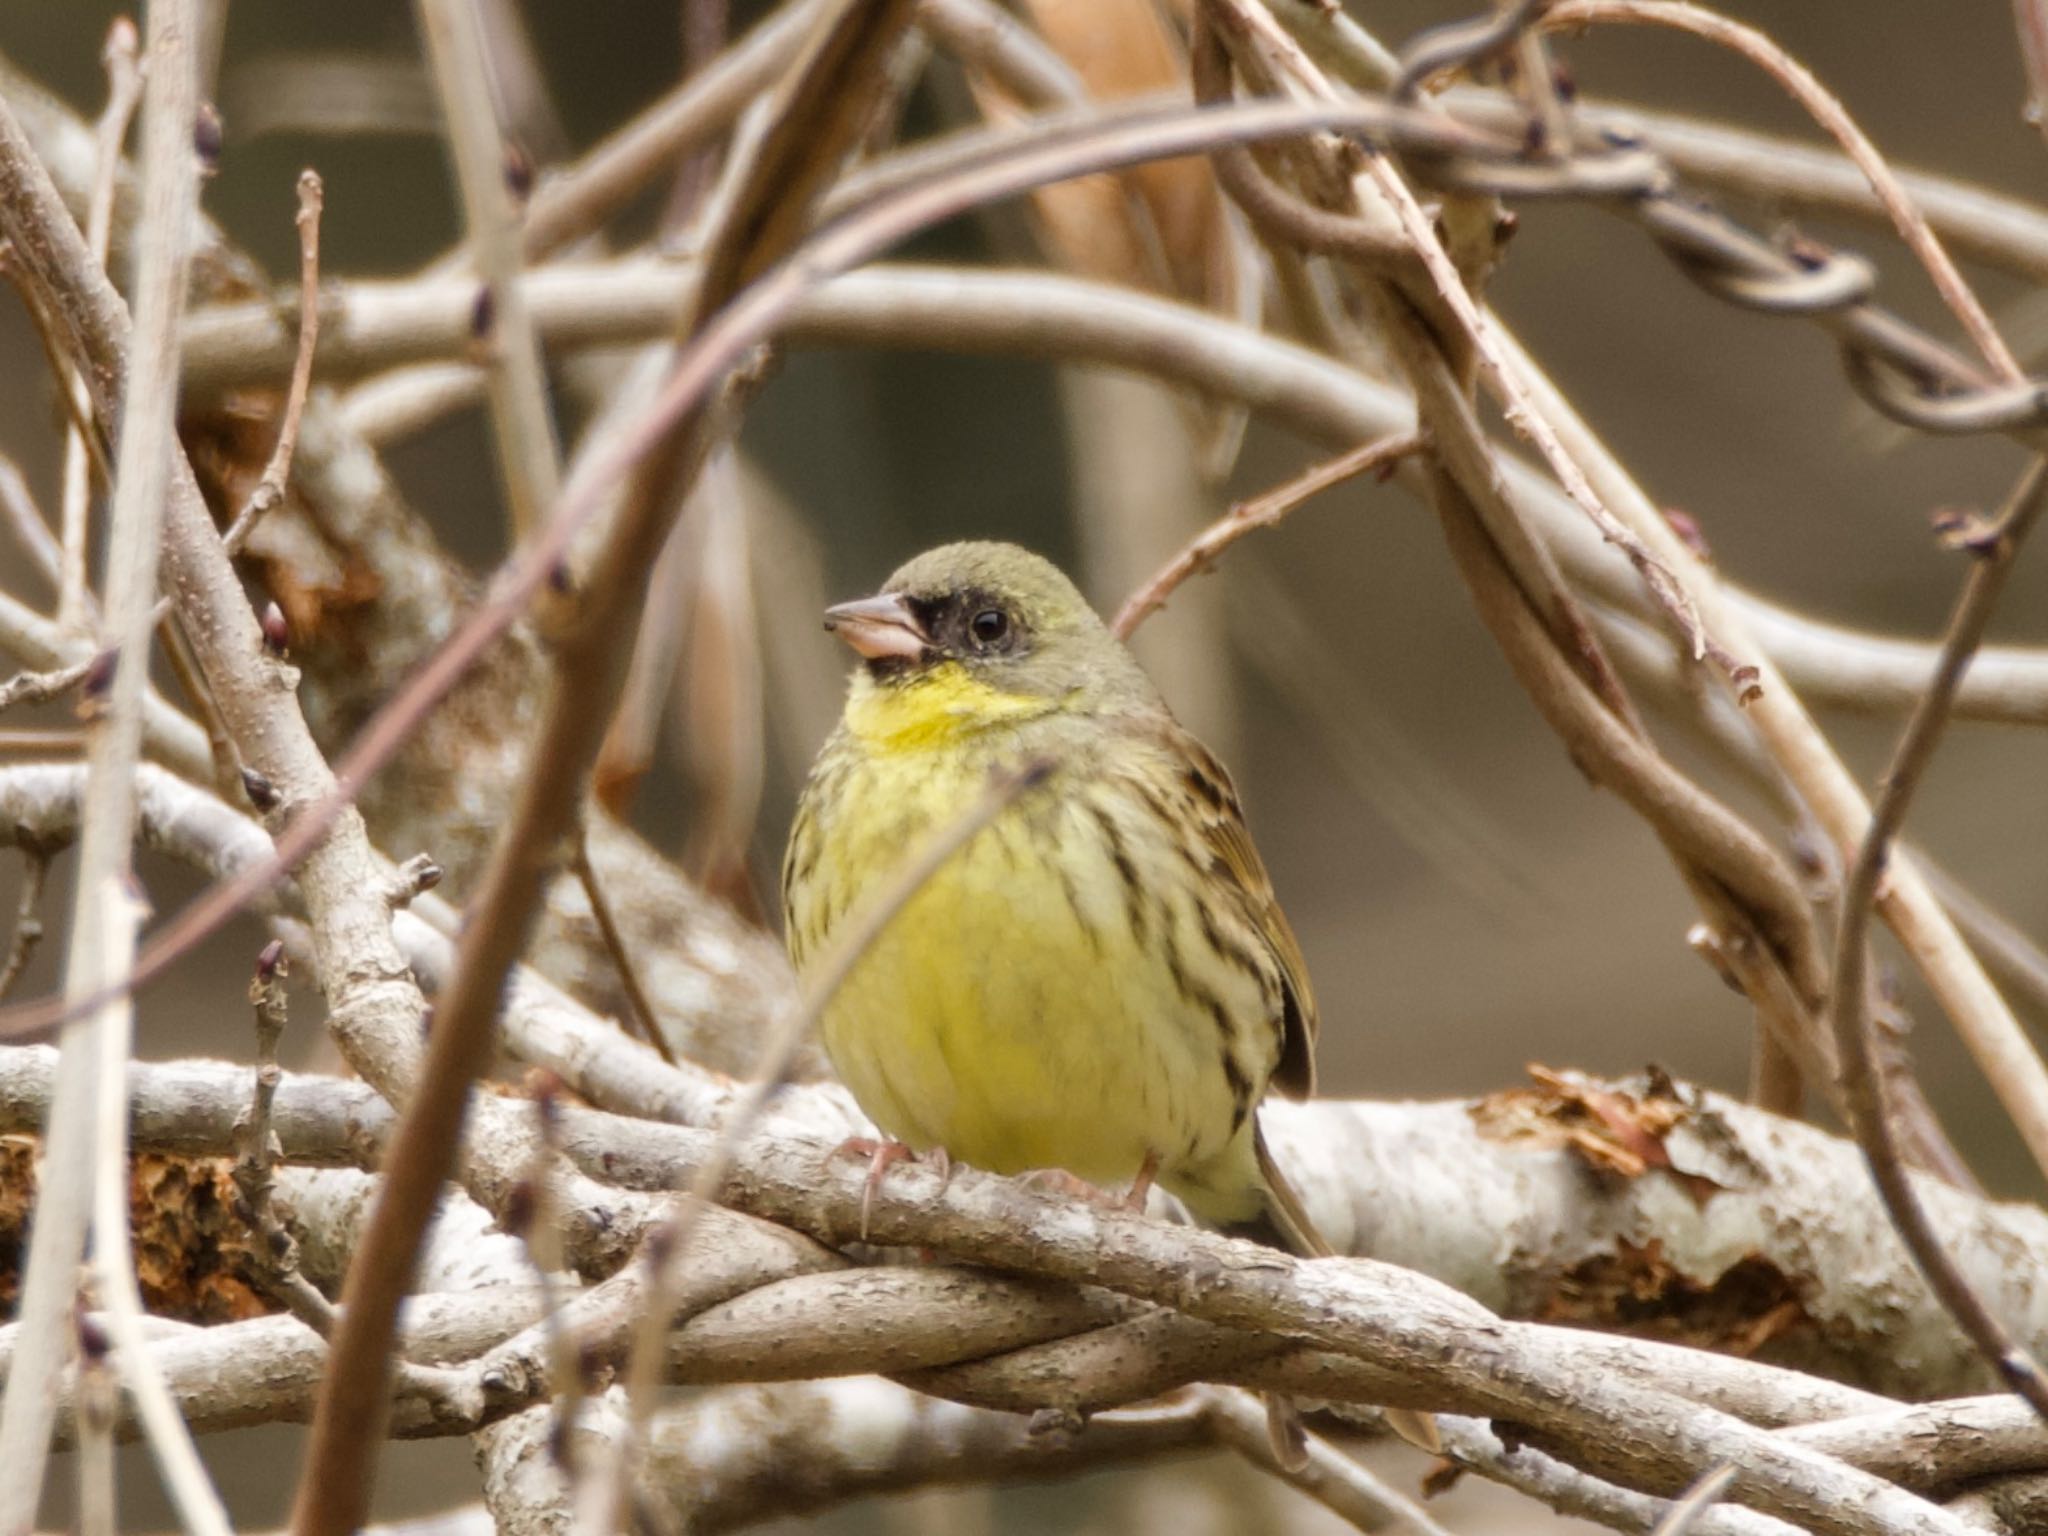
1058 1181
880 1155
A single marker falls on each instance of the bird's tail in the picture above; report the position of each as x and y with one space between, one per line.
1284 1223
1283 1211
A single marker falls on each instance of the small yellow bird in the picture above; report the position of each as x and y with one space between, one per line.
1101 981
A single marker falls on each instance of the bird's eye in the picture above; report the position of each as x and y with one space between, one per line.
990 627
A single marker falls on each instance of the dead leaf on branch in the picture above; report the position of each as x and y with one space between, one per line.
1613 1132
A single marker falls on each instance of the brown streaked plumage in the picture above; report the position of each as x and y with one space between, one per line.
1100 981
1104 981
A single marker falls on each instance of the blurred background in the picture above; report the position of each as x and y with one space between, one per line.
1466 903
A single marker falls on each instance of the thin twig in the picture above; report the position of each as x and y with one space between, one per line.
640 1014
1825 110
539 1228
412 880
2016 958
1738 881
529 459
277 473
124 89
984 37
28 917
1992 553
1480 331
18 506
42 687
275 1263
569 206
1973 1005
2030 18
1237 1419
171 737
1261 511
1698 1499
98 965
185 1477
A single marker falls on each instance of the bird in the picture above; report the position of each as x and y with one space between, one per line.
1102 981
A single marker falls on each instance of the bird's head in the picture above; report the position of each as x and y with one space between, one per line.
987 625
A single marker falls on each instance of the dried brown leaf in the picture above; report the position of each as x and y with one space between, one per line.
1611 1132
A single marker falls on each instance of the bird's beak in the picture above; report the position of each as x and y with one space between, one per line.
879 627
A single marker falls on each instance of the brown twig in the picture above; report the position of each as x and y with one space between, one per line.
1734 875
277 472
375 1008
275 1264
1979 1014
981 35
1992 551
1263 511
641 1018
50 743
534 1217
1477 330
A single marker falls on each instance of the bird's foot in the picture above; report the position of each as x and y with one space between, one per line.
1141 1186
881 1155
1058 1181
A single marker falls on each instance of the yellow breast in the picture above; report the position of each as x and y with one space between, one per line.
1046 1000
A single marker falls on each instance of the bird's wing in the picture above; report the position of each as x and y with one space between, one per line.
1235 861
